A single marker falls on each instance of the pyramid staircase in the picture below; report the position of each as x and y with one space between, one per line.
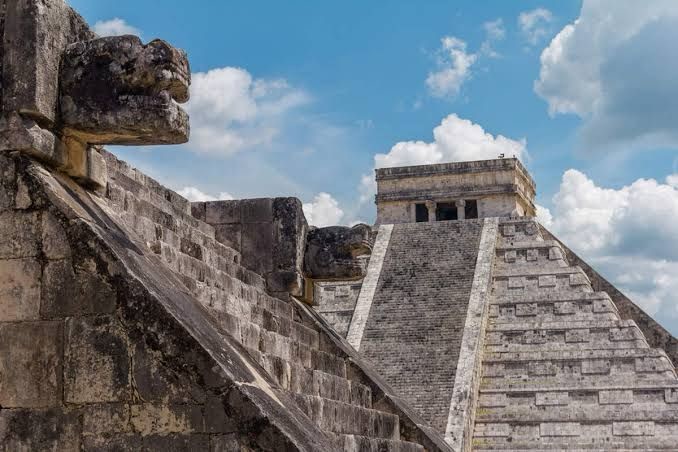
291 344
560 369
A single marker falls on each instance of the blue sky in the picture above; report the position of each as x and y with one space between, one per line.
297 98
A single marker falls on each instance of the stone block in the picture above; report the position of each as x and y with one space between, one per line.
217 419
54 240
615 397
552 398
31 61
199 210
25 135
20 234
19 289
555 253
39 430
493 400
532 255
509 230
491 430
601 306
578 335
96 176
560 429
224 443
259 210
517 282
671 395
579 279
257 247
527 309
116 442
176 442
510 256
97 361
229 234
566 307
7 180
635 428
164 418
22 201
105 419
649 364
30 364
547 281
541 368
68 291
154 381
595 366
223 212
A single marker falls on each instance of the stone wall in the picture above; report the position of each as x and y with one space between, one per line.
100 348
656 335
416 321
268 232
335 301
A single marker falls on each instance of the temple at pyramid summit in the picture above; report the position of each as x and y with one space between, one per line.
134 320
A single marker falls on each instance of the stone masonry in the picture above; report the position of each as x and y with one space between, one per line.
419 309
560 368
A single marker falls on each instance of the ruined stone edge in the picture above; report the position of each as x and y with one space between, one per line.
467 377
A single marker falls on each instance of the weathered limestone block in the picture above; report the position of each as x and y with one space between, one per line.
615 397
97 362
45 429
19 289
69 290
30 364
20 234
163 418
337 252
552 398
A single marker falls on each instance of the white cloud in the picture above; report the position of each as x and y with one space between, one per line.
455 139
615 67
628 234
115 27
494 31
534 24
194 195
454 68
323 211
230 111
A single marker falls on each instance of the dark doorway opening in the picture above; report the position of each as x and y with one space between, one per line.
446 211
471 209
421 213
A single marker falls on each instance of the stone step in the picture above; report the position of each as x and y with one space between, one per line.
581 309
338 417
585 414
147 205
546 382
522 256
518 231
546 355
535 337
198 245
553 297
200 271
641 394
541 281
603 441
641 367
353 443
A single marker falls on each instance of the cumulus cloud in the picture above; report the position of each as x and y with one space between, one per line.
615 67
494 31
455 139
534 24
231 111
193 194
115 27
628 234
323 211
454 68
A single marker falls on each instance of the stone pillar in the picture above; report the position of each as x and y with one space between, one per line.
431 206
461 213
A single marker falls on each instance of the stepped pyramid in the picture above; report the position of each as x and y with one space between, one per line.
132 319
